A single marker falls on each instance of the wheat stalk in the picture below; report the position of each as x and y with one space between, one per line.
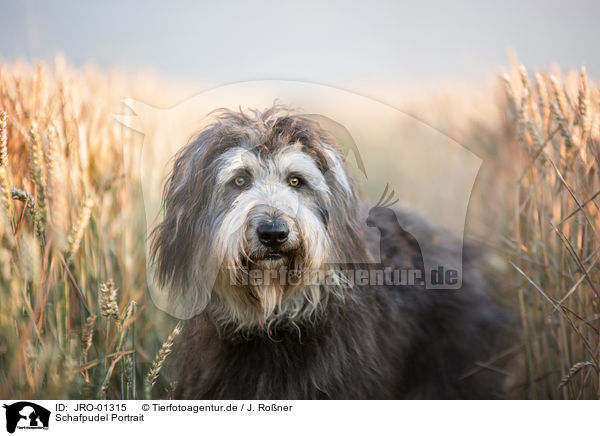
108 300
5 195
36 158
522 117
3 140
161 356
77 231
55 189
87 334
559 96
583 105
562 124
510 95
543 100
572 371
533 111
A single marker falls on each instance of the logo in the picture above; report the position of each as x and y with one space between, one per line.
382 146
26 415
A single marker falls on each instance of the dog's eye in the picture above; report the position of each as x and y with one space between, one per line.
294 181
240 181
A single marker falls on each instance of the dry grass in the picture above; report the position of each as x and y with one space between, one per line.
71 224
75 317
554 231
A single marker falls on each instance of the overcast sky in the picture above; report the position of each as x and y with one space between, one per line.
222 41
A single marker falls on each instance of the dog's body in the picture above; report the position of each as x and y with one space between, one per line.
280 194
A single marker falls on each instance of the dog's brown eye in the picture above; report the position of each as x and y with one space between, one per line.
294 181
240 181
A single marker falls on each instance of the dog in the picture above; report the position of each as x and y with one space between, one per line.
267 194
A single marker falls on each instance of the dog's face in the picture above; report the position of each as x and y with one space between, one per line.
271 209
252 200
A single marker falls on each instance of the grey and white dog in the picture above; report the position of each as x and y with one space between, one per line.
260 197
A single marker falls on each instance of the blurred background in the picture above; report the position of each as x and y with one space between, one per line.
498 87
337 42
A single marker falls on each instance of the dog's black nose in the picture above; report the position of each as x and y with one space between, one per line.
272 233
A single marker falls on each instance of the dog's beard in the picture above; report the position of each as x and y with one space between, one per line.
259 286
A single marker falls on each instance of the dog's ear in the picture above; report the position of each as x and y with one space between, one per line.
337 172
343 209
177 252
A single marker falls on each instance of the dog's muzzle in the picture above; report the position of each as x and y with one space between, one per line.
273 234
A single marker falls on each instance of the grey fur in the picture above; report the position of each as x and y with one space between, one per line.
353 341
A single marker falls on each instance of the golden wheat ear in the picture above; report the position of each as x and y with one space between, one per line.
386 198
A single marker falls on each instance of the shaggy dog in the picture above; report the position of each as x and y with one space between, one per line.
258 200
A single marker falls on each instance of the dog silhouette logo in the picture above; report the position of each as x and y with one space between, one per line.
26 415
431 174
396 243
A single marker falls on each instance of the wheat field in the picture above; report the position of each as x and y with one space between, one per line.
75 317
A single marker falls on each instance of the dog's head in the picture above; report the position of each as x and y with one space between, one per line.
255 202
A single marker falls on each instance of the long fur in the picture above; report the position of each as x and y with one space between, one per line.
329 339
